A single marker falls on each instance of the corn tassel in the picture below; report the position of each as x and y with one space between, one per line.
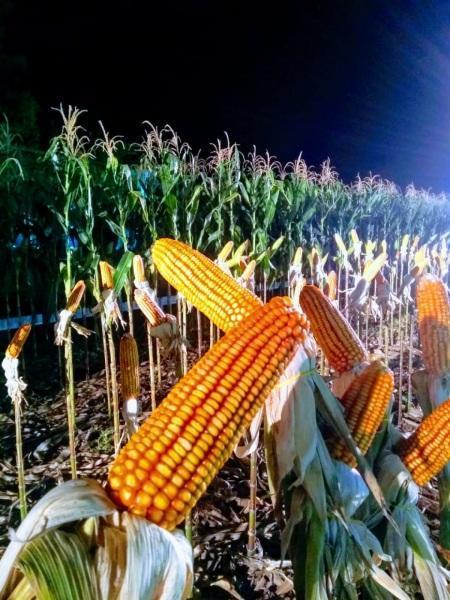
434 324
19 338
426 452
203 283
334 334
365 403
170 461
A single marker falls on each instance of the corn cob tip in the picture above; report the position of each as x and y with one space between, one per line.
76 296
149 308
334 334
203 283
106 275
15 346
139 269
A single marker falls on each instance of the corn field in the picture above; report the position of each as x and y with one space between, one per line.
225 377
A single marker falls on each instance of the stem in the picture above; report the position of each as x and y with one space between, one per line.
444 502
115 393
410 360
158 361
70 402
199 333
106 359
19 462
400 374
151 362
130 311
251 547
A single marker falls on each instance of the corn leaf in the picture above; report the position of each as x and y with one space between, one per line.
122 271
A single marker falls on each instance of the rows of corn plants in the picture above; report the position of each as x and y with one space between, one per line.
84 197
307 368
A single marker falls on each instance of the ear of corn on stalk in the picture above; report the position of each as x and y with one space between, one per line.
434 324
106 275
139 269
426 452
169 462
129 367
16 344
225 252
339 342
149 308
365 403
203 283
75 296
330 288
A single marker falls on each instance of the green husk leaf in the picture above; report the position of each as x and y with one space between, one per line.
68 502
58 566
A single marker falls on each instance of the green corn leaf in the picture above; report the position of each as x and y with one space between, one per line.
122 271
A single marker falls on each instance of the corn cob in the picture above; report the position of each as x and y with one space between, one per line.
75 296
106 275
365 403
434 324
332 331
151 310
426 452
170 461
203 283
139 269
16 344
129 367
330 288
225 252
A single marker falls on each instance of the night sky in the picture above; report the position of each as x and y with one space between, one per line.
364 83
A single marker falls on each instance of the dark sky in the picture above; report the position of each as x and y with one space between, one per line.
365 83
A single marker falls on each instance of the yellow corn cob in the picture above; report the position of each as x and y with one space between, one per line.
249 271
129 367
365 403
225 252
151 310
426 452
75 296
203 283
170 461
332 331
106 275
297 260
19 338
434 324
139 269
330 288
